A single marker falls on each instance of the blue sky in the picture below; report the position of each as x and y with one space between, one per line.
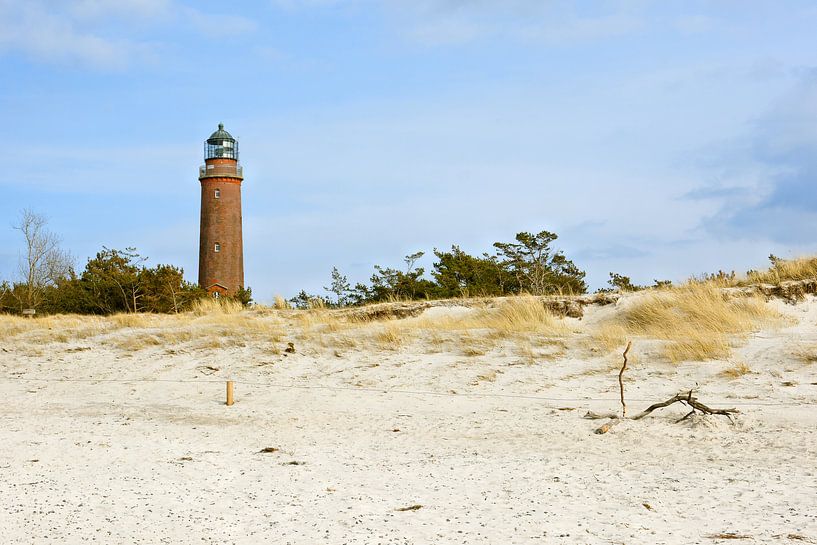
658 139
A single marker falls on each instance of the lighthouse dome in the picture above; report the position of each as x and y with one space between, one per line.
221 145
220 135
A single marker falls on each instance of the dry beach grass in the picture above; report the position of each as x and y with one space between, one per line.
696 321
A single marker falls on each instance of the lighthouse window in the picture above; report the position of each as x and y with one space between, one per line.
218 193
217 247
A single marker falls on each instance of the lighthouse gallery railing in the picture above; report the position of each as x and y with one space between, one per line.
214 171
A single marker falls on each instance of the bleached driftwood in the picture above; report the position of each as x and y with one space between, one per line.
685 398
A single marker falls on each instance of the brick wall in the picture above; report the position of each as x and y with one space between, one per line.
221 224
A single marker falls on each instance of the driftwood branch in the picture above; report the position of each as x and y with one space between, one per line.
621 380
685 398
688 399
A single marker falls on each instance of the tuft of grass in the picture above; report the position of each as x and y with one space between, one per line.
611 335
129 320
807 354
527 353
323 320
472 351
521 314
697 320
391 337
133 343
489 376
280 303
316 303
735 371
698 346
208 306
345 341
11 326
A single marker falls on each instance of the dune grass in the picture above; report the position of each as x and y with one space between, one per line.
472 333
477 332
522 314
802 268
782 270
697 320
214 324
511 316
56 328
210 324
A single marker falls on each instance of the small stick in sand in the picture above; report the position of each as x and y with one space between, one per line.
621 380
230 400
608 426
414 507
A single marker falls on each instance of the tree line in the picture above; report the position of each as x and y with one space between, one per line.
528 264
119 280
113 281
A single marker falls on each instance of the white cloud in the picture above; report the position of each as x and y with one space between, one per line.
45 35
80 31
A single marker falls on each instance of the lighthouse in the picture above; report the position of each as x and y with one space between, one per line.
221 247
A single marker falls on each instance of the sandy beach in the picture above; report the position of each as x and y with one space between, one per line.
405 445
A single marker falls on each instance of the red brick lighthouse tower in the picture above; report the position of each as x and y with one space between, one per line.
221 248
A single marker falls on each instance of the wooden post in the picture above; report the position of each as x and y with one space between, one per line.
229 393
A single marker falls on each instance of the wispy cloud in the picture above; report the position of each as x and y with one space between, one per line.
32 29
82 32
783 147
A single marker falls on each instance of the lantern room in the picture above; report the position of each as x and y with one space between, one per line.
221 145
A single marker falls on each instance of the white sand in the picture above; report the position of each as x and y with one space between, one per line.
92 461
